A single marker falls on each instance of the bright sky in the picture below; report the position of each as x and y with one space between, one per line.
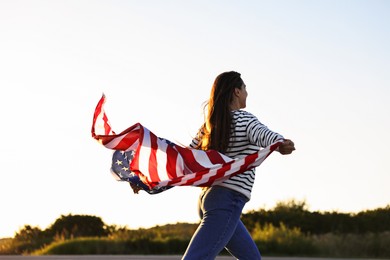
316 72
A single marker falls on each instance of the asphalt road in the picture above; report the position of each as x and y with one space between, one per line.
145 257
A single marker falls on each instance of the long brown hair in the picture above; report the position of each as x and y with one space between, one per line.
216 129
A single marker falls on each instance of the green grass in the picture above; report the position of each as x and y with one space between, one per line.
89 246
270 240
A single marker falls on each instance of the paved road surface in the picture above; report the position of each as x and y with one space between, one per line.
147 257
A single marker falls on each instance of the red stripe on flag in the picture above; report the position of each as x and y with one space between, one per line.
128 137
220 173
197 177
214 156
190 160
98 111
172 156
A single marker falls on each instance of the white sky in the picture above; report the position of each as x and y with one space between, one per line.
316 72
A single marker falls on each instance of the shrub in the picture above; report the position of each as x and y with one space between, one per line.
281 240
105 246
353 245
6 246
83 246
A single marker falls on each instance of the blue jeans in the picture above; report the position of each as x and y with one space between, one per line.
220 227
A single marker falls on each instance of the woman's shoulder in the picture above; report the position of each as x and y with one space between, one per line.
243 114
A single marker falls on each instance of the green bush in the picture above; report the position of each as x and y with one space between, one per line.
104 246
271 240
6 246
83 246
353 245
281 240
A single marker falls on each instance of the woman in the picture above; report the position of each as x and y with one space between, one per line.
235 133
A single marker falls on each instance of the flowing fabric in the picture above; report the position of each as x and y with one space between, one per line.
156 164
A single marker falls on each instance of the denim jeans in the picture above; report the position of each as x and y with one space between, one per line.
220 227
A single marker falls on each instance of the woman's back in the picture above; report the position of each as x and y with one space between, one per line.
248 135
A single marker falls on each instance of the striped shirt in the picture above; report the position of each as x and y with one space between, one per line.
247 136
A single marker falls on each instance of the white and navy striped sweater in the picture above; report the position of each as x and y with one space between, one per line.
247 136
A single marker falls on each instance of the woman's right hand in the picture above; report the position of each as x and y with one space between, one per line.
287 147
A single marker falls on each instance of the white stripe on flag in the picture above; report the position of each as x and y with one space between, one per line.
162 160
202 158
206 177
179 165
144 154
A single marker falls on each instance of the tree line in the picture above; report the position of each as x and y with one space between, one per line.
288 227
296 214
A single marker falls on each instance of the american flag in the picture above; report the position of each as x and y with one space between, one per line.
155 164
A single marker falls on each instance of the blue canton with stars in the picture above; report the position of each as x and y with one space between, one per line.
121 170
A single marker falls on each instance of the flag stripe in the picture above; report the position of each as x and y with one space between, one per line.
171 162
153 162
